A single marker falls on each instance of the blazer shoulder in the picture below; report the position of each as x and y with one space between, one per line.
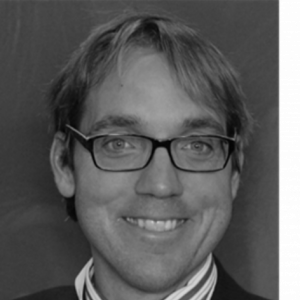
57 293
228 289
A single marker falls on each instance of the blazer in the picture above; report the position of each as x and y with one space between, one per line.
226 289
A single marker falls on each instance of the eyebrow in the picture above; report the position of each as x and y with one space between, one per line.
127 121
115 121
203 123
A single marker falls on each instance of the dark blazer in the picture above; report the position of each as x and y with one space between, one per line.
226 289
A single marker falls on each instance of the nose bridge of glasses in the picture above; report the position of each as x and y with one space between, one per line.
161 144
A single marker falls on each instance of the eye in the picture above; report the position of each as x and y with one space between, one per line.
117 144
199 146
120 145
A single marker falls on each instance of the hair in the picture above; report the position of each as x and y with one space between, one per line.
199 67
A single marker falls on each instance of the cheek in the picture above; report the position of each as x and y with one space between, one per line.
102 193
209 190
99 205
209 196
99 196
95 186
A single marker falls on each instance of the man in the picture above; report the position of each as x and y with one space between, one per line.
150 127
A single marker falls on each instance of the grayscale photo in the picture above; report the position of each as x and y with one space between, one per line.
139 150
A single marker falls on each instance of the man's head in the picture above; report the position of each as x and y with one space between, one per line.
151 228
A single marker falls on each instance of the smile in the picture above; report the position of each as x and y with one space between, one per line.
156 225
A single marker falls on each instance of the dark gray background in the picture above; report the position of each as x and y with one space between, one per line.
37 248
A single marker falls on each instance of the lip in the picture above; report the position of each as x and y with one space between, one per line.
154 241
155 225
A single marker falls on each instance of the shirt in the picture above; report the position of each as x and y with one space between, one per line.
199 287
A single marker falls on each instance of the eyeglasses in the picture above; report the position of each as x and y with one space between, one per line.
132 152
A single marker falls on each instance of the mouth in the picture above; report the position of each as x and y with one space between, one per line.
156 225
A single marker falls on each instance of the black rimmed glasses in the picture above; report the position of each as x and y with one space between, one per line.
132 152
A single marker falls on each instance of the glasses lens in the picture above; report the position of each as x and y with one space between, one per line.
121 152
200 153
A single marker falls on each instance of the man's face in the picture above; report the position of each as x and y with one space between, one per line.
122 213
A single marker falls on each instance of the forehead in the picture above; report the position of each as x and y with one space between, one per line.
144 88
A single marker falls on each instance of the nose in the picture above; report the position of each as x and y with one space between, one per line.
160 178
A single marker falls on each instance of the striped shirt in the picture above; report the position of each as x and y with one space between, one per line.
199 287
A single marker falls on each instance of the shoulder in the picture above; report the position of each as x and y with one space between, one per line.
57 293
227 288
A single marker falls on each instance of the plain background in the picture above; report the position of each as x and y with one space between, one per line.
38 249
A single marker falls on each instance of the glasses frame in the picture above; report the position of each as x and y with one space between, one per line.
88 143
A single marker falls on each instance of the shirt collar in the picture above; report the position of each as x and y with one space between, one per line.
200 286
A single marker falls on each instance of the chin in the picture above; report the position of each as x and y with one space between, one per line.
157 279
155 284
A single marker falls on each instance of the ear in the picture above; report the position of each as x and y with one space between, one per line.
236 174
63 175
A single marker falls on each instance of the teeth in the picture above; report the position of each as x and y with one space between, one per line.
153 225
